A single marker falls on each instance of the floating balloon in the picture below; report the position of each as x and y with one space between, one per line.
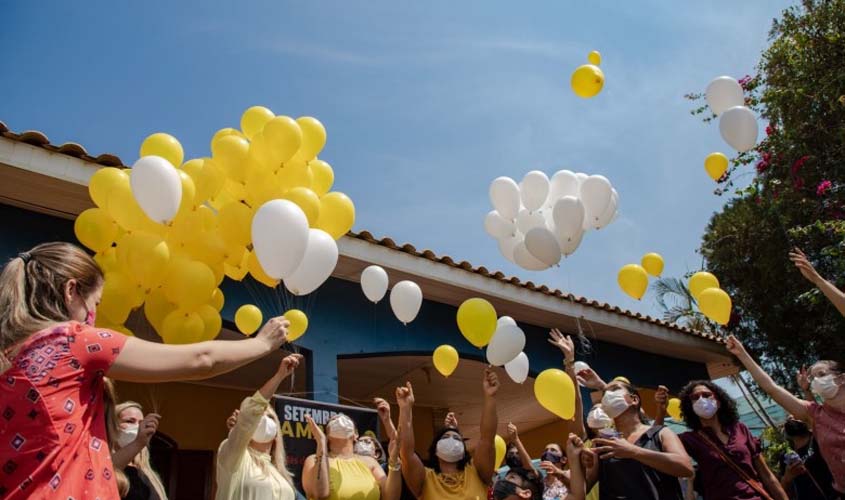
594 57
701 281
501 450
284 136
230 154
555 391
527 220
673 408
337 214
280 237
254 119
716 305
505 196
163 145
95 229
596 193
543 246
568 246
406 300
587 81
723 93
313 136
103 182
563 183
525 260
716 164
506 344
505 320
633 280
157 187
477 321
568 215
374 283
609 214
298 324
534 189
738 127
445 359
497 226
517 368
316 266
652 263
507 246
580 366
323 177
248 318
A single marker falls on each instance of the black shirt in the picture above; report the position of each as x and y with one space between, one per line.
803 487
626 478
138 488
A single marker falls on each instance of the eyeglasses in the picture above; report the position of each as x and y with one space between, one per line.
694 397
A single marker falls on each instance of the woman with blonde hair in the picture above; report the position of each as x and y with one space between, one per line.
132 453
251 461
53 360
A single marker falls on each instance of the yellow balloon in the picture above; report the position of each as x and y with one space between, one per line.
701 281
248 318
594 57
262 186
211 321
501 449
307 201
261 152
189 192
119 296
652 263
633 280
294 174
217 299
189 283
107 260
95 229
623 379
673 408
236 191
209 248
156 308
182 327
257 272
337 214
207 176
555 391
445 359
477 321
146 256
125 210
322 176
224 197
313 136
230 153
254 119
235 225
716 305
716 164
164 145
103 182
223 132
298 324
587 81
284 136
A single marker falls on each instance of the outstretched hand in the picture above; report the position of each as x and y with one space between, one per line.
316 432
803 264
564 343
491 382
405 396
233 419
590 379
289 364
735 347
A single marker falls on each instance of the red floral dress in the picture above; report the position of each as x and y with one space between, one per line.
53 441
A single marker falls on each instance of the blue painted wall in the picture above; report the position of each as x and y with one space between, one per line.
343 323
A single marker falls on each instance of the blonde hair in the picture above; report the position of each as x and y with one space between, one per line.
142 459
32 291
277 451
112 429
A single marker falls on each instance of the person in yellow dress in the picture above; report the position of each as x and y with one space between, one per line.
336 472
453 474
251 461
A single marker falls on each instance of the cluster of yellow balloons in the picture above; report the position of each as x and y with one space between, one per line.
633 278
174 269
588 79
716 164
712 301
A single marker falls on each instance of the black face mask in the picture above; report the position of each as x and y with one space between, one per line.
794 428
503 489
513 461
550 456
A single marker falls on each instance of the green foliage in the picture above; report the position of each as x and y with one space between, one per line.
775 446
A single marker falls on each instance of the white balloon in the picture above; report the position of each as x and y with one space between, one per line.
534 189
563 183
506 344
569 245
738 127
568 215
580 366
581 176
724 93
406 300
374 283
609 214
595 195
517 368
543 246
497 226
525 260
317 264
157 188
527 220
279 237
505 320
504 195
508 244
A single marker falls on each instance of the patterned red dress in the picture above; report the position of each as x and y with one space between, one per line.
53 441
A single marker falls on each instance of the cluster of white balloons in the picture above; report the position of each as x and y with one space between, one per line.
539 220
506 349
737 123
405 297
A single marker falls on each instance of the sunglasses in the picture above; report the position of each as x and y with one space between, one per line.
696 396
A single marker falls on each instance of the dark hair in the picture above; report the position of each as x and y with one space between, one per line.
633 392
434 462
726 413
833 366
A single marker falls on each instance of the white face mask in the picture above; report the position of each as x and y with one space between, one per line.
127 435
365 448
266 430
705 407
598 419
341 428
450 449
613 402
825 386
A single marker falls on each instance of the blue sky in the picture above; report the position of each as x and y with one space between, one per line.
424 102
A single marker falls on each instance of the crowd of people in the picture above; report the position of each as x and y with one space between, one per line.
65 435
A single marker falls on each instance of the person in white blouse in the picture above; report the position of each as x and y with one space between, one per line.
251 461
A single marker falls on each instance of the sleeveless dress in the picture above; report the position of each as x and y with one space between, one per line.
463 485
626 478
351 479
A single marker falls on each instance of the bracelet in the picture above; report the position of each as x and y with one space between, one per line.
395 467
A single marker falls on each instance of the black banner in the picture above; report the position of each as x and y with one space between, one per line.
299 443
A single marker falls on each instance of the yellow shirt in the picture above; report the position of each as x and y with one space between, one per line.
464 485
351 479
244 474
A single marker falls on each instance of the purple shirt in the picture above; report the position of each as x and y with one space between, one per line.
717 479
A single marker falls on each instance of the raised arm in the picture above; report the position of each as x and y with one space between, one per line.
391 486
383 409
567 347
770 482
142 361
661 401
577 482
315 471
786 399
146 429
802 377
413 469
673 460
833 294
513 437
484 456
